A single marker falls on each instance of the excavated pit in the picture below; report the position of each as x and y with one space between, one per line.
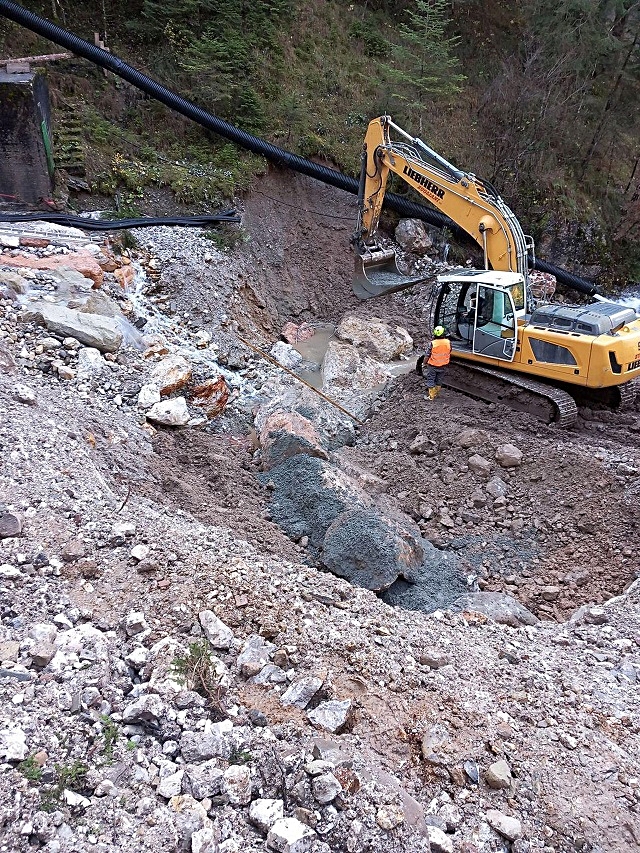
563 533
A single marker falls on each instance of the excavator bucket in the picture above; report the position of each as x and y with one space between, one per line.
376 273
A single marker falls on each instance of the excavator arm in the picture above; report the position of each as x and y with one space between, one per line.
473 204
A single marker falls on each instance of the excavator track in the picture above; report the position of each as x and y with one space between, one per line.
545 402
627 393
620 398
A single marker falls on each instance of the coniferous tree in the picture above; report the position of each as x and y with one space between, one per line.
424 64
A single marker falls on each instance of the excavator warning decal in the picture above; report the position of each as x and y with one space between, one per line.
429 186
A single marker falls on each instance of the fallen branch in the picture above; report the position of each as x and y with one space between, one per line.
124 502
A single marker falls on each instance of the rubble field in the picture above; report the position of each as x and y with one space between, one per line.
237 617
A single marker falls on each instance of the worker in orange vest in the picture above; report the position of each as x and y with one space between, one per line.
436 357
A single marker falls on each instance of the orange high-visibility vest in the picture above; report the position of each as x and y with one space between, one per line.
440 352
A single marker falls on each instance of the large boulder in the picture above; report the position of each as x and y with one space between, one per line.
543 285
295 334
82 262
286 434
171 374
90 364
508 456
170 412
366 542
333 427
413 236
92 330
287 355
471 437
438 582
7 362
372 550
11 283
353 379
308 495
90 301
384 340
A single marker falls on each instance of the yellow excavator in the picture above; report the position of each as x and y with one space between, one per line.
503 341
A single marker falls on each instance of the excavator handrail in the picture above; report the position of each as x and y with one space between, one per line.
415 140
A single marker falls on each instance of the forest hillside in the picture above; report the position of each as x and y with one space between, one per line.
541 99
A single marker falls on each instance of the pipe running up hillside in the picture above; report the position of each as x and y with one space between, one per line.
273 153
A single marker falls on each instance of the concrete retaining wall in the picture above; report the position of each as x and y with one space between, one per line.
25 170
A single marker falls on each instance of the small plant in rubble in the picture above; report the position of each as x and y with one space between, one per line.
68 776
71 775
198 671
30 769
110 734
240 756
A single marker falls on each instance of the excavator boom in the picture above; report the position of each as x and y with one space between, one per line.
473 204
505 346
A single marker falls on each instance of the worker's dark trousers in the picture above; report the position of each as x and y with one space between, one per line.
433 375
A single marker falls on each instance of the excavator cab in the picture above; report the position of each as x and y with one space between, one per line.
480 310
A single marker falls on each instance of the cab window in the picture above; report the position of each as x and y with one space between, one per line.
517 294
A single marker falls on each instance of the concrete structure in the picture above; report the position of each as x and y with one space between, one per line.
26 162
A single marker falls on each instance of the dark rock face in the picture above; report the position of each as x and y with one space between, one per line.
372 550
307 497
347 531
438 582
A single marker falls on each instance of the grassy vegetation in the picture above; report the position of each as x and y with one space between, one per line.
110 735
30 769
68 777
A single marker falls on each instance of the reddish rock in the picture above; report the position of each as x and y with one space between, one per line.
107 260
543 284
212 396
82 262
124 276
286 434
154 349
294 334
171 374
34 242
73 550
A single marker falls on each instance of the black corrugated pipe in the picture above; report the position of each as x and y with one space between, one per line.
567 278
280 156
120 224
